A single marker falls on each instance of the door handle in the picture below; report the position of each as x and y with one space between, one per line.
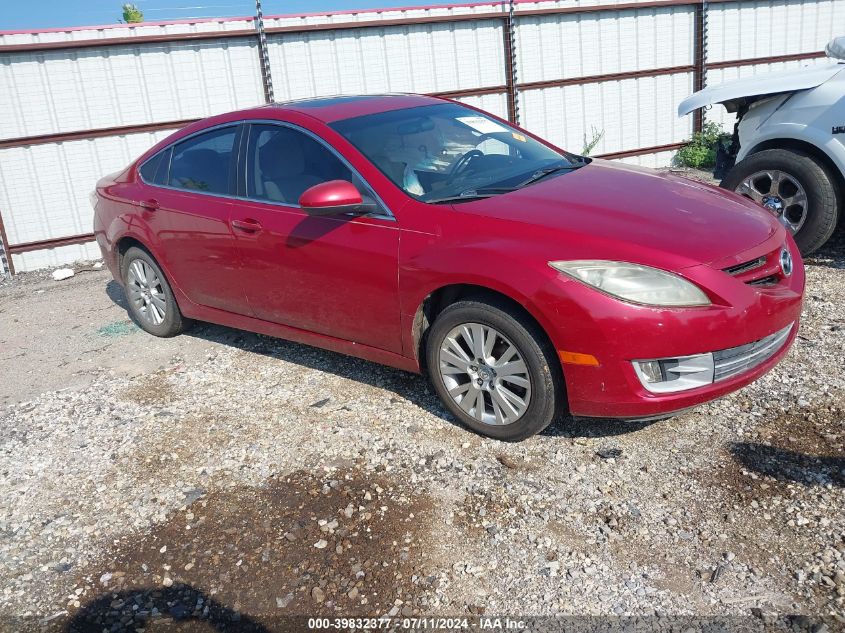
150 205
249 225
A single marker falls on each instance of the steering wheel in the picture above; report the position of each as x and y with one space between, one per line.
462 163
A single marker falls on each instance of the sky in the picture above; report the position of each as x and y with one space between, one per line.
16 14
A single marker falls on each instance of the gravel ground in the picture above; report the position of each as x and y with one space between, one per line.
241 477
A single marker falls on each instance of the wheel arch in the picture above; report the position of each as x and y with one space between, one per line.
440 298
806 147
126 242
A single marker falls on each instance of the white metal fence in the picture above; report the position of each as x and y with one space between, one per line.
81 103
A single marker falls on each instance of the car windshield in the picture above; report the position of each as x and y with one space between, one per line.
449 153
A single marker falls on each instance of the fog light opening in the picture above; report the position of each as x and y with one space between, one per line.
652 371
666 375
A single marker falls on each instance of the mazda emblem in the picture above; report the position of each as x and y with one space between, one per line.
786 262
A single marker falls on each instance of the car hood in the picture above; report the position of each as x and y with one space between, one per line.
608 210
760 85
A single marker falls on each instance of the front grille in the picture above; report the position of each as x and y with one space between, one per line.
745 266
771 280
733 361
763 271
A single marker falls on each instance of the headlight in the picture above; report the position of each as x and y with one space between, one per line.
633 282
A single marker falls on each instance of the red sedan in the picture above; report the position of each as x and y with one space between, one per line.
430 236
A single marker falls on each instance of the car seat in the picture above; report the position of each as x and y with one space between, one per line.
283 168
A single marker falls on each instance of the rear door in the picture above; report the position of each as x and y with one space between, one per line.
189 208
332 275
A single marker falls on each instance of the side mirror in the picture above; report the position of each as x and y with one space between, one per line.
333 198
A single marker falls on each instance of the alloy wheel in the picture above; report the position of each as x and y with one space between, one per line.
780 193
485 374
146 292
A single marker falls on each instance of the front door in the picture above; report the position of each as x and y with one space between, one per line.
332 275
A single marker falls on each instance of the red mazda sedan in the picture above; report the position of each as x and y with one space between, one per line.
430 236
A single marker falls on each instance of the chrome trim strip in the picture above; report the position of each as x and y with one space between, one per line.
745 267
377 216
724 364
733 361
170 147
749 358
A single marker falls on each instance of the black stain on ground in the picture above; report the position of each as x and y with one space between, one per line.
786 465
344 543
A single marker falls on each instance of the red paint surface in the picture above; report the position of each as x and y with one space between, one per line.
335 193
355 284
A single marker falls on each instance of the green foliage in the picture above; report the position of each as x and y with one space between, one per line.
700 152
590 145
132 14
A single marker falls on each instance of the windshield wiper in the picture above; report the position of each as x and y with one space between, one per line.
486 192
547 171
471 194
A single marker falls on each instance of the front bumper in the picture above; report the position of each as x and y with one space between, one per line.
617 333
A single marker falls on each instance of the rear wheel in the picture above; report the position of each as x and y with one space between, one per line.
494 370
151 302
793 186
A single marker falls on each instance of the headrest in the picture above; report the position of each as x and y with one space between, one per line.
201 169
202 159
282 156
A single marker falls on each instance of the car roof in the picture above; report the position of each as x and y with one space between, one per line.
324 109
339 107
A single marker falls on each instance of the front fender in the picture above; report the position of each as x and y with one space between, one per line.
488 265
822 142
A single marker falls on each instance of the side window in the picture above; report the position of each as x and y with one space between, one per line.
154 170
203 163
282 163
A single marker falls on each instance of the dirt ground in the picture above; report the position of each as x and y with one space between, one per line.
225 478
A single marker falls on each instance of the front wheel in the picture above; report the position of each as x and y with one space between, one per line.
793 186
494 370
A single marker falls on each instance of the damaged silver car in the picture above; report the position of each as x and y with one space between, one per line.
787 151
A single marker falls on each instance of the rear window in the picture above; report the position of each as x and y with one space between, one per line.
204 162
154 170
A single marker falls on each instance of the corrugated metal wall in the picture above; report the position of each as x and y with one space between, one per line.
422 58
64 91
765 28
618 70
44 191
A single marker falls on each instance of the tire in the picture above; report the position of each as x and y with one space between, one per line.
541 389
151 302
822 197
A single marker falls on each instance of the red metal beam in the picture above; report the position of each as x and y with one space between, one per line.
470 92
55 242
591 79
125 41
772 59
640 151
80 135
336 26
621 6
